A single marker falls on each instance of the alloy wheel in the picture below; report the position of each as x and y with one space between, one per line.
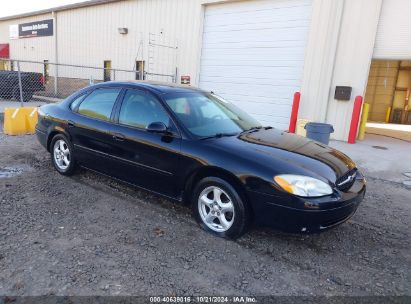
216 209
61 154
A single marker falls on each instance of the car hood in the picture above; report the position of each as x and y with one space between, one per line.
288 153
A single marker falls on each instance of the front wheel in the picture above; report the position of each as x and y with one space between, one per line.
62 155
219 208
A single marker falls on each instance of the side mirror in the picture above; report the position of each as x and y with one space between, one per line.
157 127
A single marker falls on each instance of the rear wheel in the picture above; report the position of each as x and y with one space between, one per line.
219 208
62 155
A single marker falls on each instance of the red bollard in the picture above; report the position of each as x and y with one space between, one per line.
355 119
294 112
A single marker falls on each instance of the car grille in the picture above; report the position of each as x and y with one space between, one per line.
345 182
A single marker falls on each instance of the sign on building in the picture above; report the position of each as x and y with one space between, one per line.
185 79
36 29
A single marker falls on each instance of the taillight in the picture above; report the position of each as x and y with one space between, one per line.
42 79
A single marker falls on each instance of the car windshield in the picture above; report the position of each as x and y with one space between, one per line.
207 115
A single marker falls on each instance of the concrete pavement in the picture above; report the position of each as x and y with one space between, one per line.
379 156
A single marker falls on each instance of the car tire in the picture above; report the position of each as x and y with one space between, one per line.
62 158
219 208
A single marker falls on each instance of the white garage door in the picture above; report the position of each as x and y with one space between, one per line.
253 55
393 40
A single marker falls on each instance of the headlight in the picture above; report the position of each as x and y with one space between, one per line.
302 185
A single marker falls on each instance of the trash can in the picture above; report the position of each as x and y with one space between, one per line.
319 131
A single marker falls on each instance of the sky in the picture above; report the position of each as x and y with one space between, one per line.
15 7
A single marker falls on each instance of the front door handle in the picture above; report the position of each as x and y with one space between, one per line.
71 124
119 137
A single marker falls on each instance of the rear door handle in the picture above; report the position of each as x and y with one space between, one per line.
119 137
71 124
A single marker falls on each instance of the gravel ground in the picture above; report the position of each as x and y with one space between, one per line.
89 235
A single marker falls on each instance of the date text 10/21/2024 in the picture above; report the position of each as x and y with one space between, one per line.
203 299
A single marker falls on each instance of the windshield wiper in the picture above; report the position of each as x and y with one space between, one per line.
252 129
219 135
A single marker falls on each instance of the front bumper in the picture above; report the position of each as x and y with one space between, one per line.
297 214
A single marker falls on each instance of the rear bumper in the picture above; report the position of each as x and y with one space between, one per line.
307 215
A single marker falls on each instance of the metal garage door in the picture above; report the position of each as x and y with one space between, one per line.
253 55
393 40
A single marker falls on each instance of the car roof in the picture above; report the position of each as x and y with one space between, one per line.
156 87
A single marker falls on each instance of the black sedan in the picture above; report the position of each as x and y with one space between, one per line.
196 148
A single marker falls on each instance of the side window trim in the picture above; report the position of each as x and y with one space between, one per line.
117 105
83 96
112 110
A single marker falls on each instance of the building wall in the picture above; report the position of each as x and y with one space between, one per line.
353 59
319 60
341 46
339 52
89 35
28 48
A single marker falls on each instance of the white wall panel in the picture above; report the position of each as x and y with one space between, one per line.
353 60
320 59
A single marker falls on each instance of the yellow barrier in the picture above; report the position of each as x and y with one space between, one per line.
364 118
300 127
19 121
387 115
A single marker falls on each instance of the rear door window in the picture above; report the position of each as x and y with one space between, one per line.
99 104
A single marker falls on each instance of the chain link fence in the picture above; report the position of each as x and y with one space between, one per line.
26 81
